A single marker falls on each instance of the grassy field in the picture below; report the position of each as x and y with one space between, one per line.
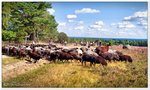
9 60
116 74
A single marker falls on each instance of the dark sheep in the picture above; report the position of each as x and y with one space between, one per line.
110 56
75 54
22 53
100 60
125 58
119 53
93 59
53 56
13 51
34 56
64 56
88 58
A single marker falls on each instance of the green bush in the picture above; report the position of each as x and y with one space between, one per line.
62 37
8 35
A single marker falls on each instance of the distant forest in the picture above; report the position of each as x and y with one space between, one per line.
133 42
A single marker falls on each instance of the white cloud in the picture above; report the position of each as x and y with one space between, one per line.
125 25
71 16
145 27
135 33
62 23
143 22
71 21
128 18
113 24
51 11
101 23
121 32
140 18
86 10
79 28
140 14
137 15
98 25
81 22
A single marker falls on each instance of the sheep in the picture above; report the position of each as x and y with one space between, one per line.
79 51
34 56
112 51
22 53
110 56
126 46
100 60
53 56
119 53
76 54
88 58
102 49
93 59
64 56
125 58
14 51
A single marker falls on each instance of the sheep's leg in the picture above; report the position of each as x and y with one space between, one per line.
54 60
62 61
91 63
82 62
114 60
110 61
85 63
94 64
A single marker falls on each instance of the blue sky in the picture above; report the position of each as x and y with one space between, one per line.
101 19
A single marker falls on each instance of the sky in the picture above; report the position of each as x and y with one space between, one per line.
101 19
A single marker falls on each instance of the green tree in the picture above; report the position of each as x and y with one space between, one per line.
6 13
62 37
29 18
8 35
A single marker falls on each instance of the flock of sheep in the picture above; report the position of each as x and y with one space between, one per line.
53 53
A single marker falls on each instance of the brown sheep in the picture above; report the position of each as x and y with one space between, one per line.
102 49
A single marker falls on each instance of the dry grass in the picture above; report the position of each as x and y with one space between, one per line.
116 74
9 60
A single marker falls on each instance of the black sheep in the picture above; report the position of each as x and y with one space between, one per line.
34 56
100 60
110 56
125 58
88 58
93 59
53 56
22 53
64 56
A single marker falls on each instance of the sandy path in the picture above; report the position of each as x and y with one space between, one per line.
14 69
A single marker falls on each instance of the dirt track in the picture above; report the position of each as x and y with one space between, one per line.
14 69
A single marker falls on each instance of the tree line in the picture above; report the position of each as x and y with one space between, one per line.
111 41
31 20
